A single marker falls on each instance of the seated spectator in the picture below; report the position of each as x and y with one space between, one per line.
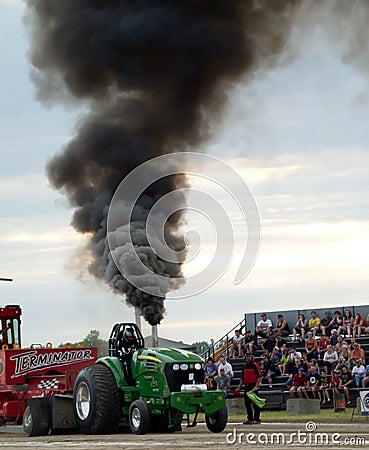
248 342
293 368
347 324
334 380
285 359
226 366
359 325
300 327
312 383
358 373
365 381
352 344
342 362
294 356
323 343
345 383
268 344
314 362
280 342
323 388
264 365
311 346
237 344
357 353
314 323
298 383
281 326
334 336
276 355
345 353
305 362
210 371
274 360
330 359
340 343
367 325
336 322
263 327
324 324
223 381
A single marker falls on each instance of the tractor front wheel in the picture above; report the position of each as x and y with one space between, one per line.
139 417
217 422
97 400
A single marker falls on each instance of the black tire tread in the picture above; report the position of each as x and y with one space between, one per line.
107 408
221 417
35 428
145 414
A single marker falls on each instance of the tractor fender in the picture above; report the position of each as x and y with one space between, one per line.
116 368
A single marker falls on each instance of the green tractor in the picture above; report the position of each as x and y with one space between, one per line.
151 389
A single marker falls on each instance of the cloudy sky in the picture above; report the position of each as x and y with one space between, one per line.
297 132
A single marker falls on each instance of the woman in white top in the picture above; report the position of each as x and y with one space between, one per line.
330 358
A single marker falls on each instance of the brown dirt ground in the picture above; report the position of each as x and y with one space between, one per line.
351 435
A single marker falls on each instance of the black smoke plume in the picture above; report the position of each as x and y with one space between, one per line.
155 73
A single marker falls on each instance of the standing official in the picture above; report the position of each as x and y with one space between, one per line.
251 380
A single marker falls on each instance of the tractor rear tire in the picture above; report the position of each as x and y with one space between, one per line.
97 400
217 422
139 417
34 427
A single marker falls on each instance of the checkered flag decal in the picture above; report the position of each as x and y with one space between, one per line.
49 384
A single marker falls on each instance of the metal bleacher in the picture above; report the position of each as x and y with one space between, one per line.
277 393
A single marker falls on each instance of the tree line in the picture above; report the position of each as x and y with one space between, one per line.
92 339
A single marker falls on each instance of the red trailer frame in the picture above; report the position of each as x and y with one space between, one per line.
35 372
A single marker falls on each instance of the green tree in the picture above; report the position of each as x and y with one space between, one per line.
93 340
201 347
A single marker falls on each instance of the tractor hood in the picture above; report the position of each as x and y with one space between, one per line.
166 355
164 370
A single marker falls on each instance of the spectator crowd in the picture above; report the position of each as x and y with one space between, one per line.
320 358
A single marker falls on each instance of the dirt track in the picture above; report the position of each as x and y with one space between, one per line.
354 435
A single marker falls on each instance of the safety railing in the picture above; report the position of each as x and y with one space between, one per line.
222 346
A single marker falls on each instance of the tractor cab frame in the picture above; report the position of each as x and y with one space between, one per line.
10 327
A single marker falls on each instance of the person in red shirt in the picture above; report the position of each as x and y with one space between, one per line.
334 381
299 383
251 381
358 326
323 343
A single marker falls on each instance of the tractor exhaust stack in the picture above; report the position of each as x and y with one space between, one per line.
138 317
154 335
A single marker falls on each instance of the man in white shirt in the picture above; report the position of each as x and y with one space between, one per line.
263 327
237 344
365 381
294 354
358 373
223 364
